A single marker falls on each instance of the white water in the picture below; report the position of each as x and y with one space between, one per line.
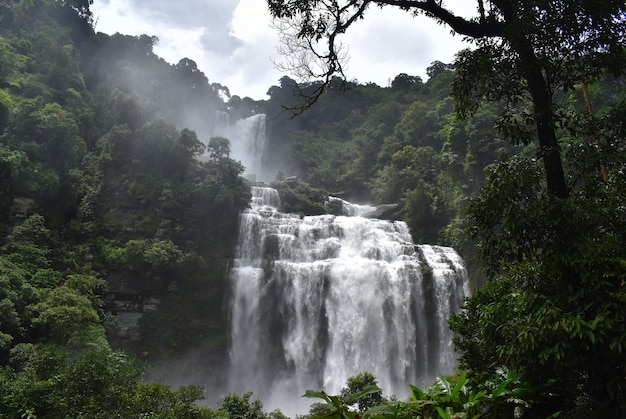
247 142
319 299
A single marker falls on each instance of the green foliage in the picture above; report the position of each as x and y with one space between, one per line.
159 401
5 103
447 398
92 137
553 310
15 296
29 244
12 163
360 394
452 398
98 384
339 406
146 255
63 312
516 185
235 406
46 278
356 385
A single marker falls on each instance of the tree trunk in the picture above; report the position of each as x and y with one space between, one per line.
544 118
603 170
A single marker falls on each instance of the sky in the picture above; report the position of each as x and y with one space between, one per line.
233 43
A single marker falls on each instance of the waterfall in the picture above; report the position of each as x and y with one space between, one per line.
318 299
247 141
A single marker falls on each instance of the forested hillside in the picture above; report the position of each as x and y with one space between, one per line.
103 198
113 194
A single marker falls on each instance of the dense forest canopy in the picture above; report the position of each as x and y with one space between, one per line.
112 183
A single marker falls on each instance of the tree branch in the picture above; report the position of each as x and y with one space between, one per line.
473 29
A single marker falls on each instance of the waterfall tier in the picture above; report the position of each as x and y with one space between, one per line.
247 141
318 299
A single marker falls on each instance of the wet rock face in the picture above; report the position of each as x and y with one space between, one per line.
127 300
385 212
338 206
20 209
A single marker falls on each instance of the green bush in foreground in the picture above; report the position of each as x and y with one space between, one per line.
46 383
447 398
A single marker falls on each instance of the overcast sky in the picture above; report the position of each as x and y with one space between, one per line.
233 44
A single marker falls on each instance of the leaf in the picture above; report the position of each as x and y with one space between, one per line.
442 413
459 385
444 385
378 410
416 393
592 336
475 398
501 389
371 389
317 395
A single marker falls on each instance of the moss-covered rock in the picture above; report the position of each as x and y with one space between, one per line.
299 197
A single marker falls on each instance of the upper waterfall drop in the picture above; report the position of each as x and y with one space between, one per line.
318 299
247 141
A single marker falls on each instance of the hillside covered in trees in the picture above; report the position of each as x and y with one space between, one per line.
112 188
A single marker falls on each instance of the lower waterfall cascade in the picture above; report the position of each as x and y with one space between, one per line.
318 299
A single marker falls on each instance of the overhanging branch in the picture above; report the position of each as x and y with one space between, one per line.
473 29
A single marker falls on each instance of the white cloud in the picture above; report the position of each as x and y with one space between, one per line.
251 21
391 41
233 43
182 43
252 59
117 16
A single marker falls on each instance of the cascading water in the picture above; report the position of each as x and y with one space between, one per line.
247 141
318 299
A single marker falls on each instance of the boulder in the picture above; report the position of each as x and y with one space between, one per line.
385 212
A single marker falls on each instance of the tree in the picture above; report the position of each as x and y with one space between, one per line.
235 406
188 144
218 148
15 295
5 105
357 384
64 313
556 311
404 81
534 46
435 68
29 246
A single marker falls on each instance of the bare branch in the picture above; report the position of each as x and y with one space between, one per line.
316 52
306 58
